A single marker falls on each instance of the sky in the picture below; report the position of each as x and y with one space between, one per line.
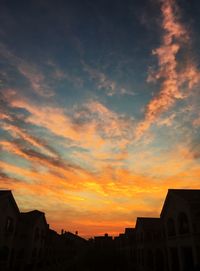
99 108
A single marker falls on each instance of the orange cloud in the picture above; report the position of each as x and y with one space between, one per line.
100 131
18 132
173 81
120 195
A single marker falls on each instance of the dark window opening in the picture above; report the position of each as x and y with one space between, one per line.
9 225
183 223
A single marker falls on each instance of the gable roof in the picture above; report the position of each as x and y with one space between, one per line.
191 196
8 193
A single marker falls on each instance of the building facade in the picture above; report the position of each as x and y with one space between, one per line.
9 217
150 244
181 221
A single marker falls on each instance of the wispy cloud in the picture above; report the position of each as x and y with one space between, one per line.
18 132
174 77
91 125
111 87
36 79
96 134
60 74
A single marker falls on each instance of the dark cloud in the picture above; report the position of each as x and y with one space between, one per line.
6 179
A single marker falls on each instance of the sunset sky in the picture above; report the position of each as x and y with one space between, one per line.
99 108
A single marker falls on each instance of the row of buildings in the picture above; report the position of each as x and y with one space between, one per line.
170 242
27 242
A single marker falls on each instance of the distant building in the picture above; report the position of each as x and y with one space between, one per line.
74 240
150 244
168 243
9 215
61 249
54 249
103 242
125 245
181 219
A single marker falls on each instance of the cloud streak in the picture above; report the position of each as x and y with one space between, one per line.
91 126
173 77
31 72
104 82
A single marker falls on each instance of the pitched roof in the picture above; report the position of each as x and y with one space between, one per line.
191 196
8 193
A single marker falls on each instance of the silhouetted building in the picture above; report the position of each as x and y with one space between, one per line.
150 244
30 240
55 249
168 243
9 215
103 242
181 219
125 245
74 240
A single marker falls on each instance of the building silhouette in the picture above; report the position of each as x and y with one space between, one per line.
170 242
30 240
27 243
150 244
181 223
9 217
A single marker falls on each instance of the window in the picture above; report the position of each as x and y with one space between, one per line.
171 231
183 224
9 225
